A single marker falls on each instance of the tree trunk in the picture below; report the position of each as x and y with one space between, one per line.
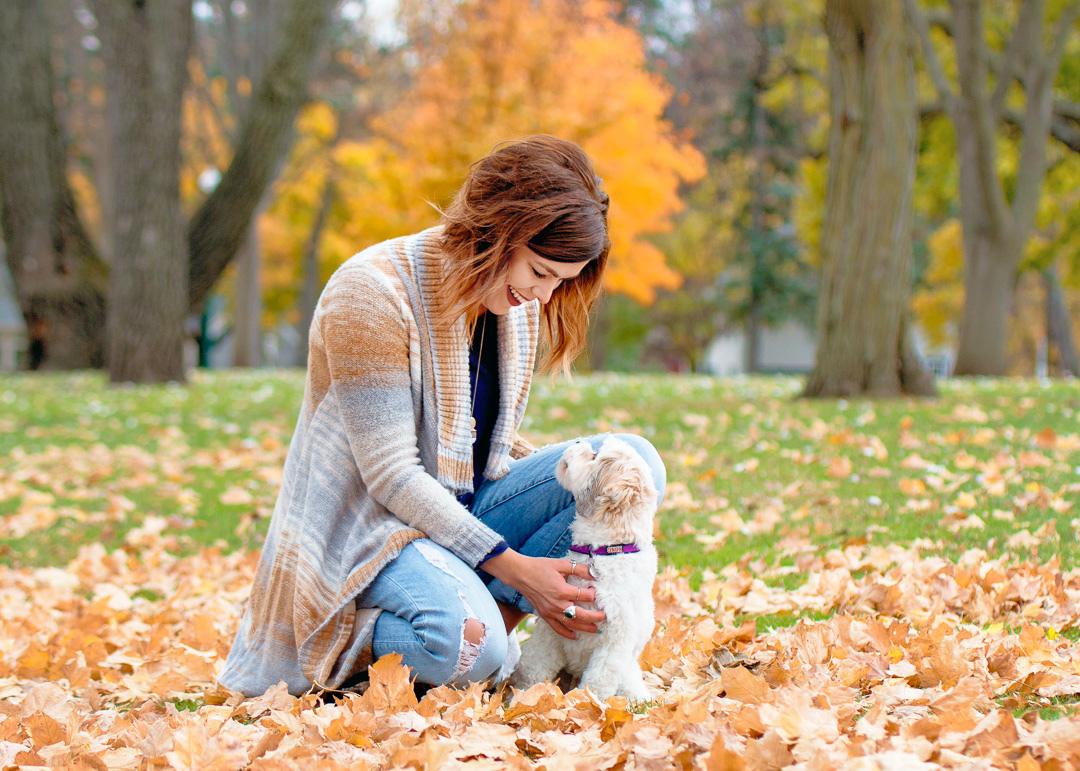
146 46
219 226
990 263
751 352
989 282
312 281
248 298
1059 326
247 326
57 274
862 345
59 278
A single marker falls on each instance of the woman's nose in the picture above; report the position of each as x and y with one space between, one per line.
545 289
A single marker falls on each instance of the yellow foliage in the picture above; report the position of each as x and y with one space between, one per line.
810 205
939 302
205 140
317 122
86 199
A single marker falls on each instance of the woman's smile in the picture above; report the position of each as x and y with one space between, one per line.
530 277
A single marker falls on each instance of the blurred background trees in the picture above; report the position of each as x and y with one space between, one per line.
279 137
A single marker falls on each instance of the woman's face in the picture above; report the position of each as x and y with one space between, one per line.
531 277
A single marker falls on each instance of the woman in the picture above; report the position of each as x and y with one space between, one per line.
412 518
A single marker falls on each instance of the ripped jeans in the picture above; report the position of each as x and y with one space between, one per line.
428 594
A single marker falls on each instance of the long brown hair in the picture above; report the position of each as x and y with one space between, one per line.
540 192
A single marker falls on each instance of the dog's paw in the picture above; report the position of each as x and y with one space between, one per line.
634 691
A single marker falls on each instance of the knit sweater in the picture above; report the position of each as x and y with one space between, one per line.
381 450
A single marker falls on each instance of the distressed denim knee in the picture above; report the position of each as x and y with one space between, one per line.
439 616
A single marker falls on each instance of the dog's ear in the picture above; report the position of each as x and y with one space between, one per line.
624 488
562 473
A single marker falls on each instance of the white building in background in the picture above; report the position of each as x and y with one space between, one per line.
790 348
13 337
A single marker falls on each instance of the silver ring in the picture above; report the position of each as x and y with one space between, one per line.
570 612
573 566
578 596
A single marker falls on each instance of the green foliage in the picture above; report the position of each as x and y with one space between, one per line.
735 244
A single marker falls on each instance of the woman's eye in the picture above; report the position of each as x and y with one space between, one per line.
538 274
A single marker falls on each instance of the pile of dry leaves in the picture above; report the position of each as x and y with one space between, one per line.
923 663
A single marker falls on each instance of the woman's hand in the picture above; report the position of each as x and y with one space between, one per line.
543 583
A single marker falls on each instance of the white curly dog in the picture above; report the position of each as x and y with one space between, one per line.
616 500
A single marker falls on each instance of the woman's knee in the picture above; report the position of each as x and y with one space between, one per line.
645 449
455 647
484 646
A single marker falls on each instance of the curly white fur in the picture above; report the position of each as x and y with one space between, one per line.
616 501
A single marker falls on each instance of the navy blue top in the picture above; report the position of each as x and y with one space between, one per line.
484 384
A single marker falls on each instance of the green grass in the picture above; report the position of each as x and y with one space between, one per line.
206 459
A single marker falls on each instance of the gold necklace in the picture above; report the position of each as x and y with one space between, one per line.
476 383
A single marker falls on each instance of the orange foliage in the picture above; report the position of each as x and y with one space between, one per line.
490 74
505 69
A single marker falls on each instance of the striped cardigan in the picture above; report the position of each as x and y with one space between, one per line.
381 450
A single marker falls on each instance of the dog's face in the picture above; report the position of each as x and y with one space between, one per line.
613 488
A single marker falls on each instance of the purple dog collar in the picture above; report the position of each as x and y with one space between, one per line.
619 548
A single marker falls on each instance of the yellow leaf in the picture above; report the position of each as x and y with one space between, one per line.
966 501
911 487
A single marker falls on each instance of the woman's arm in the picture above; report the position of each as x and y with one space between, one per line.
543 583
362 337
521 448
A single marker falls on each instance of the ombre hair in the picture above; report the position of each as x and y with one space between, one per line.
540 192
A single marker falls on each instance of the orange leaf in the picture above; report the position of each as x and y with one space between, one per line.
1047 438
44 730
720 758
740 684
839 468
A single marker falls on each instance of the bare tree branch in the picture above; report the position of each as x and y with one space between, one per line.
940 18
1038 113
1007 67
1067 110
933 63
1065 24
973 114
1066 134
1060 129
219 226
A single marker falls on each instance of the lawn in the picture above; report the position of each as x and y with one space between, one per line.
754 475
840 579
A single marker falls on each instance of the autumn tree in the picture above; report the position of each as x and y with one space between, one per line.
863 342
59 277
302 229
489 71
997 211
66 282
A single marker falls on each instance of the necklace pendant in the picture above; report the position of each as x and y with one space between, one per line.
472 429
